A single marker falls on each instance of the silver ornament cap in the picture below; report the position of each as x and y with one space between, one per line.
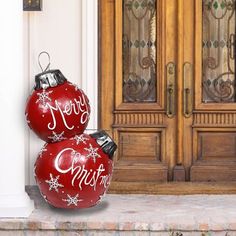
49 79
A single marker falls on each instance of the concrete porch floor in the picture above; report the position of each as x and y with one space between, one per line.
197 215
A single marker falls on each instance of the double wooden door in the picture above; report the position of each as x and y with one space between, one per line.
167 93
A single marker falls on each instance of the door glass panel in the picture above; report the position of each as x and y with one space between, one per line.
218 51
139 51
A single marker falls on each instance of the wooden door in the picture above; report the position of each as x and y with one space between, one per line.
214 114
157 85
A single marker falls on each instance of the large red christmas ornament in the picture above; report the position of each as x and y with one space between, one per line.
57 109
75 173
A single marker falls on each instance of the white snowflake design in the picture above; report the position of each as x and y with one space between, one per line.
43 149
92 153
72 200
44 97
80 139
57 137
53 183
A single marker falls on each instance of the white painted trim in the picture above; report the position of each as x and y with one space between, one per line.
16 205
26 66
14 202
89 60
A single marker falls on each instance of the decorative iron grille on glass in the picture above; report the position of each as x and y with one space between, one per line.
218 49
139 50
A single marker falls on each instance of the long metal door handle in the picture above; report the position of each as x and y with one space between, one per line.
170 89
188 90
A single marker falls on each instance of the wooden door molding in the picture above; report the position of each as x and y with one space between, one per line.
199 105
107 64
160 67
214 151
214 119
149 164
174 188
187 67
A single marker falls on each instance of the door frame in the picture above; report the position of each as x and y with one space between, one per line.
89 23
107 49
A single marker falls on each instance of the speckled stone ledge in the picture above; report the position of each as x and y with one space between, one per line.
202 215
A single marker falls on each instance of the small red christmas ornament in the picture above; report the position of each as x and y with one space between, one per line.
75 173
57 109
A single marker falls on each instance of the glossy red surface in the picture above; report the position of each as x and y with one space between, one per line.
57 113
73 173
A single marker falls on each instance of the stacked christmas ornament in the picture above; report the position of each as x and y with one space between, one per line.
73 169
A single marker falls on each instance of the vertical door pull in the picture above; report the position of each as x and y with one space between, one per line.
170 89
188 90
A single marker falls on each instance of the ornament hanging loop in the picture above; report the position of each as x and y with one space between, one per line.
49 61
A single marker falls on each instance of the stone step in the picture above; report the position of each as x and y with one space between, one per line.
130 215
112 233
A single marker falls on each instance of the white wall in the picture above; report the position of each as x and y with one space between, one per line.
61 29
